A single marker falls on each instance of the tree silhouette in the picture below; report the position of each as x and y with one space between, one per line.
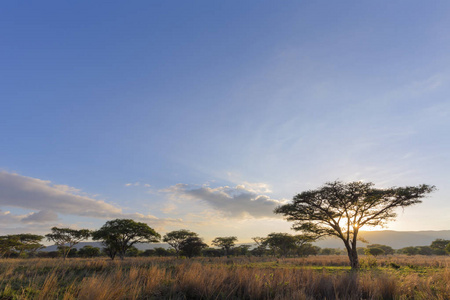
341 209
176 237
120 234
192 246
226 243
66 238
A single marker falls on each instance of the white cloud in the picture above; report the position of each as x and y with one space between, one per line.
242 201
49 200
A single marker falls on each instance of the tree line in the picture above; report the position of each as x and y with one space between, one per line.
118 238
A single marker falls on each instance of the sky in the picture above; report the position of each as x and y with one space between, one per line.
207 115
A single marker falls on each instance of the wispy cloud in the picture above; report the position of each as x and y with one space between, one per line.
241 201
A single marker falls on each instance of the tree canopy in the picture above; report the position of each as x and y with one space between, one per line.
226 243
66 238
176 237
341 209
192 246
120 234
20 243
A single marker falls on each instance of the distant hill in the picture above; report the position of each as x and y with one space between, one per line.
395 239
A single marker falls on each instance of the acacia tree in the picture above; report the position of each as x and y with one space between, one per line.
28 242
66 238
285 243
176 237
7 245
120 234
438 246
226 243
341 209
260 248
192 246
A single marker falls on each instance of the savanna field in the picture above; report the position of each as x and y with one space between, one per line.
317 277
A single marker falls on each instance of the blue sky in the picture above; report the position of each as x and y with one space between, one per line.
206 115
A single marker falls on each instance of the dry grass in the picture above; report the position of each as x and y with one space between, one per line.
220 278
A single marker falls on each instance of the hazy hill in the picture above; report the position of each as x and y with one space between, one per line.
395 239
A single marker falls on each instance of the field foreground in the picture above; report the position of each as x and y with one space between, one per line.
323 277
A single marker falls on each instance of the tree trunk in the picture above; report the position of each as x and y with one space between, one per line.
353 256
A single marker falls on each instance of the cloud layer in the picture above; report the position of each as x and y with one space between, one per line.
49 200
242 201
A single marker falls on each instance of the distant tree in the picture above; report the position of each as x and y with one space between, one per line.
133 252
260 248
438 246
120 234
73 252
175 238
331 251
447 248
341 209
375 251
360 250
109 249
307 250
409 250
424 250
66 238
226 243
281 243
149 252
54 254
387 249
89 251
241 250
211 252
192 246
160 251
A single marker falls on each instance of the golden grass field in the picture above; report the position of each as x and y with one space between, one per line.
320 277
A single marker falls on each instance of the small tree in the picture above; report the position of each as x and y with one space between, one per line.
120 234
409 250
439 245
260 248
373 251
281 243
241 250
387 249
341 209
308 249
192 246
424 250
226 243
211 252
175 238
89 251
66 238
